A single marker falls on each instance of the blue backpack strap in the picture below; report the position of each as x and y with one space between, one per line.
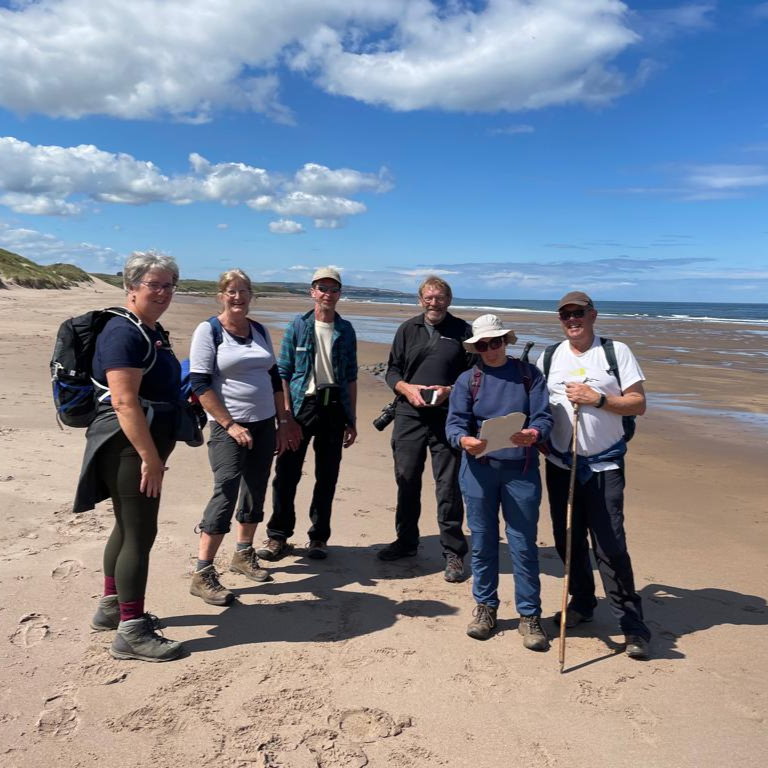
217 331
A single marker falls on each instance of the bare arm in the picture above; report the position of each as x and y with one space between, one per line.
124 386
631 403
210 401
350 433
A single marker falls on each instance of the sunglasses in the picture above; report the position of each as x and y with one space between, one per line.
484 346
328 288
567 314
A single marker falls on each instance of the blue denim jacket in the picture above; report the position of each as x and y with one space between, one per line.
297 358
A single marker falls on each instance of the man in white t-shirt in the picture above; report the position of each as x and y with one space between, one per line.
578 370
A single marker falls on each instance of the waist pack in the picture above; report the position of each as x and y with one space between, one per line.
76 394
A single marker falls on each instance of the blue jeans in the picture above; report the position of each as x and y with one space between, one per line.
485 486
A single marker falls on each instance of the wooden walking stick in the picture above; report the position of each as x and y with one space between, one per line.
568 535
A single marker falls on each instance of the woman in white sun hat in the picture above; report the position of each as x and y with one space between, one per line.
507 478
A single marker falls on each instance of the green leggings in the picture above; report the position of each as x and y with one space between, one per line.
126 556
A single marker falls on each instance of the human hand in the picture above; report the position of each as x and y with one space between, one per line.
240 435
350 435
472 445
291 435
442 394
525 438
412 393
582 394
152 473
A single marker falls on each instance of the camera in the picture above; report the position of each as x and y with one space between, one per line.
386 417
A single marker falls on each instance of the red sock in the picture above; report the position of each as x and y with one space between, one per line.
132 610
110 586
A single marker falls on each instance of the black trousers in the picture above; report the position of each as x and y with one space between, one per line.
324 427
598 512
413 435
238 471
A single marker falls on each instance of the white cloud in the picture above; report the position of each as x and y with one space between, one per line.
761 11
222 227
512 130
727 177
51 180
286 227
187 60
47 249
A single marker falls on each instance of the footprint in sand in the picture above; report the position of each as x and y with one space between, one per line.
59 717
367 725
33 629
328 753
66 570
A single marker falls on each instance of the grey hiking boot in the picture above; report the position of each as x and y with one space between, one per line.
317 550
637 647
206 585
572 618
107 614
534 636
139 639
485 621
454 568
246 562
273 549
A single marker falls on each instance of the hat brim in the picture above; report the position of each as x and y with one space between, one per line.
469 344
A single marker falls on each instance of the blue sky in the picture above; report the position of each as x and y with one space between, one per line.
519 149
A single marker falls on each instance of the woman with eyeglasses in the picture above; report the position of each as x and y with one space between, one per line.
127 446
233 372
507 477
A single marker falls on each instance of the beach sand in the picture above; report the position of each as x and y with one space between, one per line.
351 662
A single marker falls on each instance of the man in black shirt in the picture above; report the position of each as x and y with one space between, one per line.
427 357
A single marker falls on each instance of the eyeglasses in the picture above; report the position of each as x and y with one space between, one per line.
567 314
156 287
484 346
438 299
235 294
328 288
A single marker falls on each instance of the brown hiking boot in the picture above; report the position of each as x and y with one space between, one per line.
534 636
206 585
246 562
317 550
454 568
485 621
273 549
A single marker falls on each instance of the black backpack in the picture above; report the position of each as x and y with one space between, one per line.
629 423
75 393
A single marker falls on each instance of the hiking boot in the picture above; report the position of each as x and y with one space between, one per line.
273 549
206 585
454 568
534 636
572 618
317 550
107 614
246 562
139 639
637 647
485 621
396 550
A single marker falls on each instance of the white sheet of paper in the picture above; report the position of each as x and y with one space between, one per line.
498 431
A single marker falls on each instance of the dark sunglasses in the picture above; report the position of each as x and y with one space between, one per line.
567 314
328 288
484 346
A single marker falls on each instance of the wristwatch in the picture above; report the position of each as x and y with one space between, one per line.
601 401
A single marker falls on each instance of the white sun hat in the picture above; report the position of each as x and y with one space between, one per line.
488 327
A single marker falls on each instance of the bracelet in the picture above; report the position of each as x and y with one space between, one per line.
226 427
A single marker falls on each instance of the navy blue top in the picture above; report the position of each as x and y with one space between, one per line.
121 345
502 391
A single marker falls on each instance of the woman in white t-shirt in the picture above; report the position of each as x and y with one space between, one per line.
233 372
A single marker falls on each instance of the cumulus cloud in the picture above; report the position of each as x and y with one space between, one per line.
52 180
286 227
187 60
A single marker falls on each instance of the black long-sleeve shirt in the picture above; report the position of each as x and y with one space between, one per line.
444 362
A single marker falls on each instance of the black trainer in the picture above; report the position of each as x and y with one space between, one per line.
396 550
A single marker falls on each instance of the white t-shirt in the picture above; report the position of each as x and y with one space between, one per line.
242 382
322 373
598 428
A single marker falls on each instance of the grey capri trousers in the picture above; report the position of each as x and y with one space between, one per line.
238 472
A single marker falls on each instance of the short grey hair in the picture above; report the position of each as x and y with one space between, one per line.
141 262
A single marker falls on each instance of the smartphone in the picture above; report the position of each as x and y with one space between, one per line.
428 396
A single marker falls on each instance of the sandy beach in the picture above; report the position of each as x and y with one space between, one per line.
351 662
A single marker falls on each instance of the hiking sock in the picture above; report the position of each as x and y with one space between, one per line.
202 564
132 610
110 586
241 545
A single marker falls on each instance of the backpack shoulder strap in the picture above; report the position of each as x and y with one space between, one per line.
477 380
526 374
610 356
548 353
